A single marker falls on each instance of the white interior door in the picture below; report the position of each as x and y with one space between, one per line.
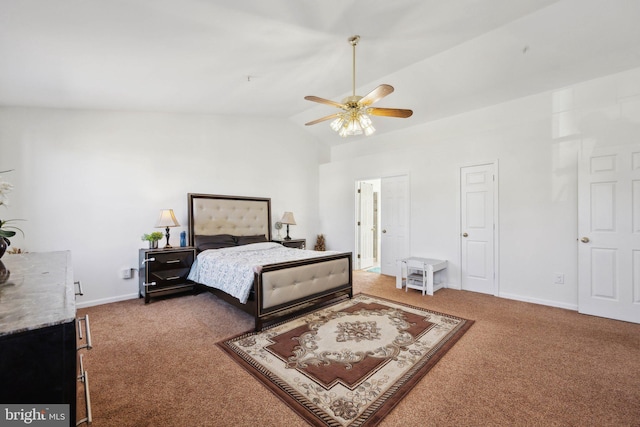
609 233
477 235
394 222
366 227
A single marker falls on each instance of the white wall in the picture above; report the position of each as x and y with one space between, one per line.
94 182
536 141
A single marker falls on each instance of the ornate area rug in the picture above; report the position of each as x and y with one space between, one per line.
350 363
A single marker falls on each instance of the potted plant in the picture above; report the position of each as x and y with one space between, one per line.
152 238
6 230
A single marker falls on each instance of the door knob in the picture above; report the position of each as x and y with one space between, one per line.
384 231
585 240
465 235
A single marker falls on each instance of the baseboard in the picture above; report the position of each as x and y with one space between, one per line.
573 307
84 304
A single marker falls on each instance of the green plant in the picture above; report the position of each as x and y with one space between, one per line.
7 231
153 237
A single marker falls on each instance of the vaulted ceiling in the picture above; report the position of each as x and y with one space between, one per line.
258 57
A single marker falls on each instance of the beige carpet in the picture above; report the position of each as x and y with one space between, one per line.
519 364
350 363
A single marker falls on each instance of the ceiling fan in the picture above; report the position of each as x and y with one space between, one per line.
354 117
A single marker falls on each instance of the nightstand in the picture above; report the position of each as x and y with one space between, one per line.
165 271
293 243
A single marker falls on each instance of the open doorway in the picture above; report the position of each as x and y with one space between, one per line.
368 225
382 223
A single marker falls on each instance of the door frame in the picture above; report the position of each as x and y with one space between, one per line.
356 261
496 220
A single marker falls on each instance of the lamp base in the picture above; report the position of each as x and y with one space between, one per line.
287 237
167 234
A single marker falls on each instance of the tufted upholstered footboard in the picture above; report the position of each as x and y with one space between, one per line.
286 286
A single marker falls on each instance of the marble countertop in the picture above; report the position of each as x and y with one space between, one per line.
39 291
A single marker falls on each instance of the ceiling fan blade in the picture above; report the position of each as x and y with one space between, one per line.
376 94
332 116
324 101
390 112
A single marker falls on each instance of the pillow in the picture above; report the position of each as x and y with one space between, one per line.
245 240
214 242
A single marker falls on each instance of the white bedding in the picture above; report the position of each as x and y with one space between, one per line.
232 269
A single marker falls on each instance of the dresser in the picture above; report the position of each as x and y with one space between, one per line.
38 341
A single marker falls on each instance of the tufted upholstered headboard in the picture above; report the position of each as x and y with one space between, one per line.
211 214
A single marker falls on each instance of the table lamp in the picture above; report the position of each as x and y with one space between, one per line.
288 219
167 219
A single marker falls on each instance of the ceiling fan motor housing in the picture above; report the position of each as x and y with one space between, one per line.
352 102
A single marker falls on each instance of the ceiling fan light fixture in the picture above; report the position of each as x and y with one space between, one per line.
369 130
353 127
354 122
344 132
336 125
366 124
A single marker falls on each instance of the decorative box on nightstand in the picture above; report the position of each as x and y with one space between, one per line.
165 271
293 243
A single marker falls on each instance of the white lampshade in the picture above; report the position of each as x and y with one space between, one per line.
287 218
167 219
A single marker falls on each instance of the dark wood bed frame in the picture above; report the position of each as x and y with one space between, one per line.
255 305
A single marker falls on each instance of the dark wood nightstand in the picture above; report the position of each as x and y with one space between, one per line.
293 243
165 271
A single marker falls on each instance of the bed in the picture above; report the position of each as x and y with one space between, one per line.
219 225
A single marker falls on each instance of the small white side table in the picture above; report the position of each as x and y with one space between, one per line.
424 268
